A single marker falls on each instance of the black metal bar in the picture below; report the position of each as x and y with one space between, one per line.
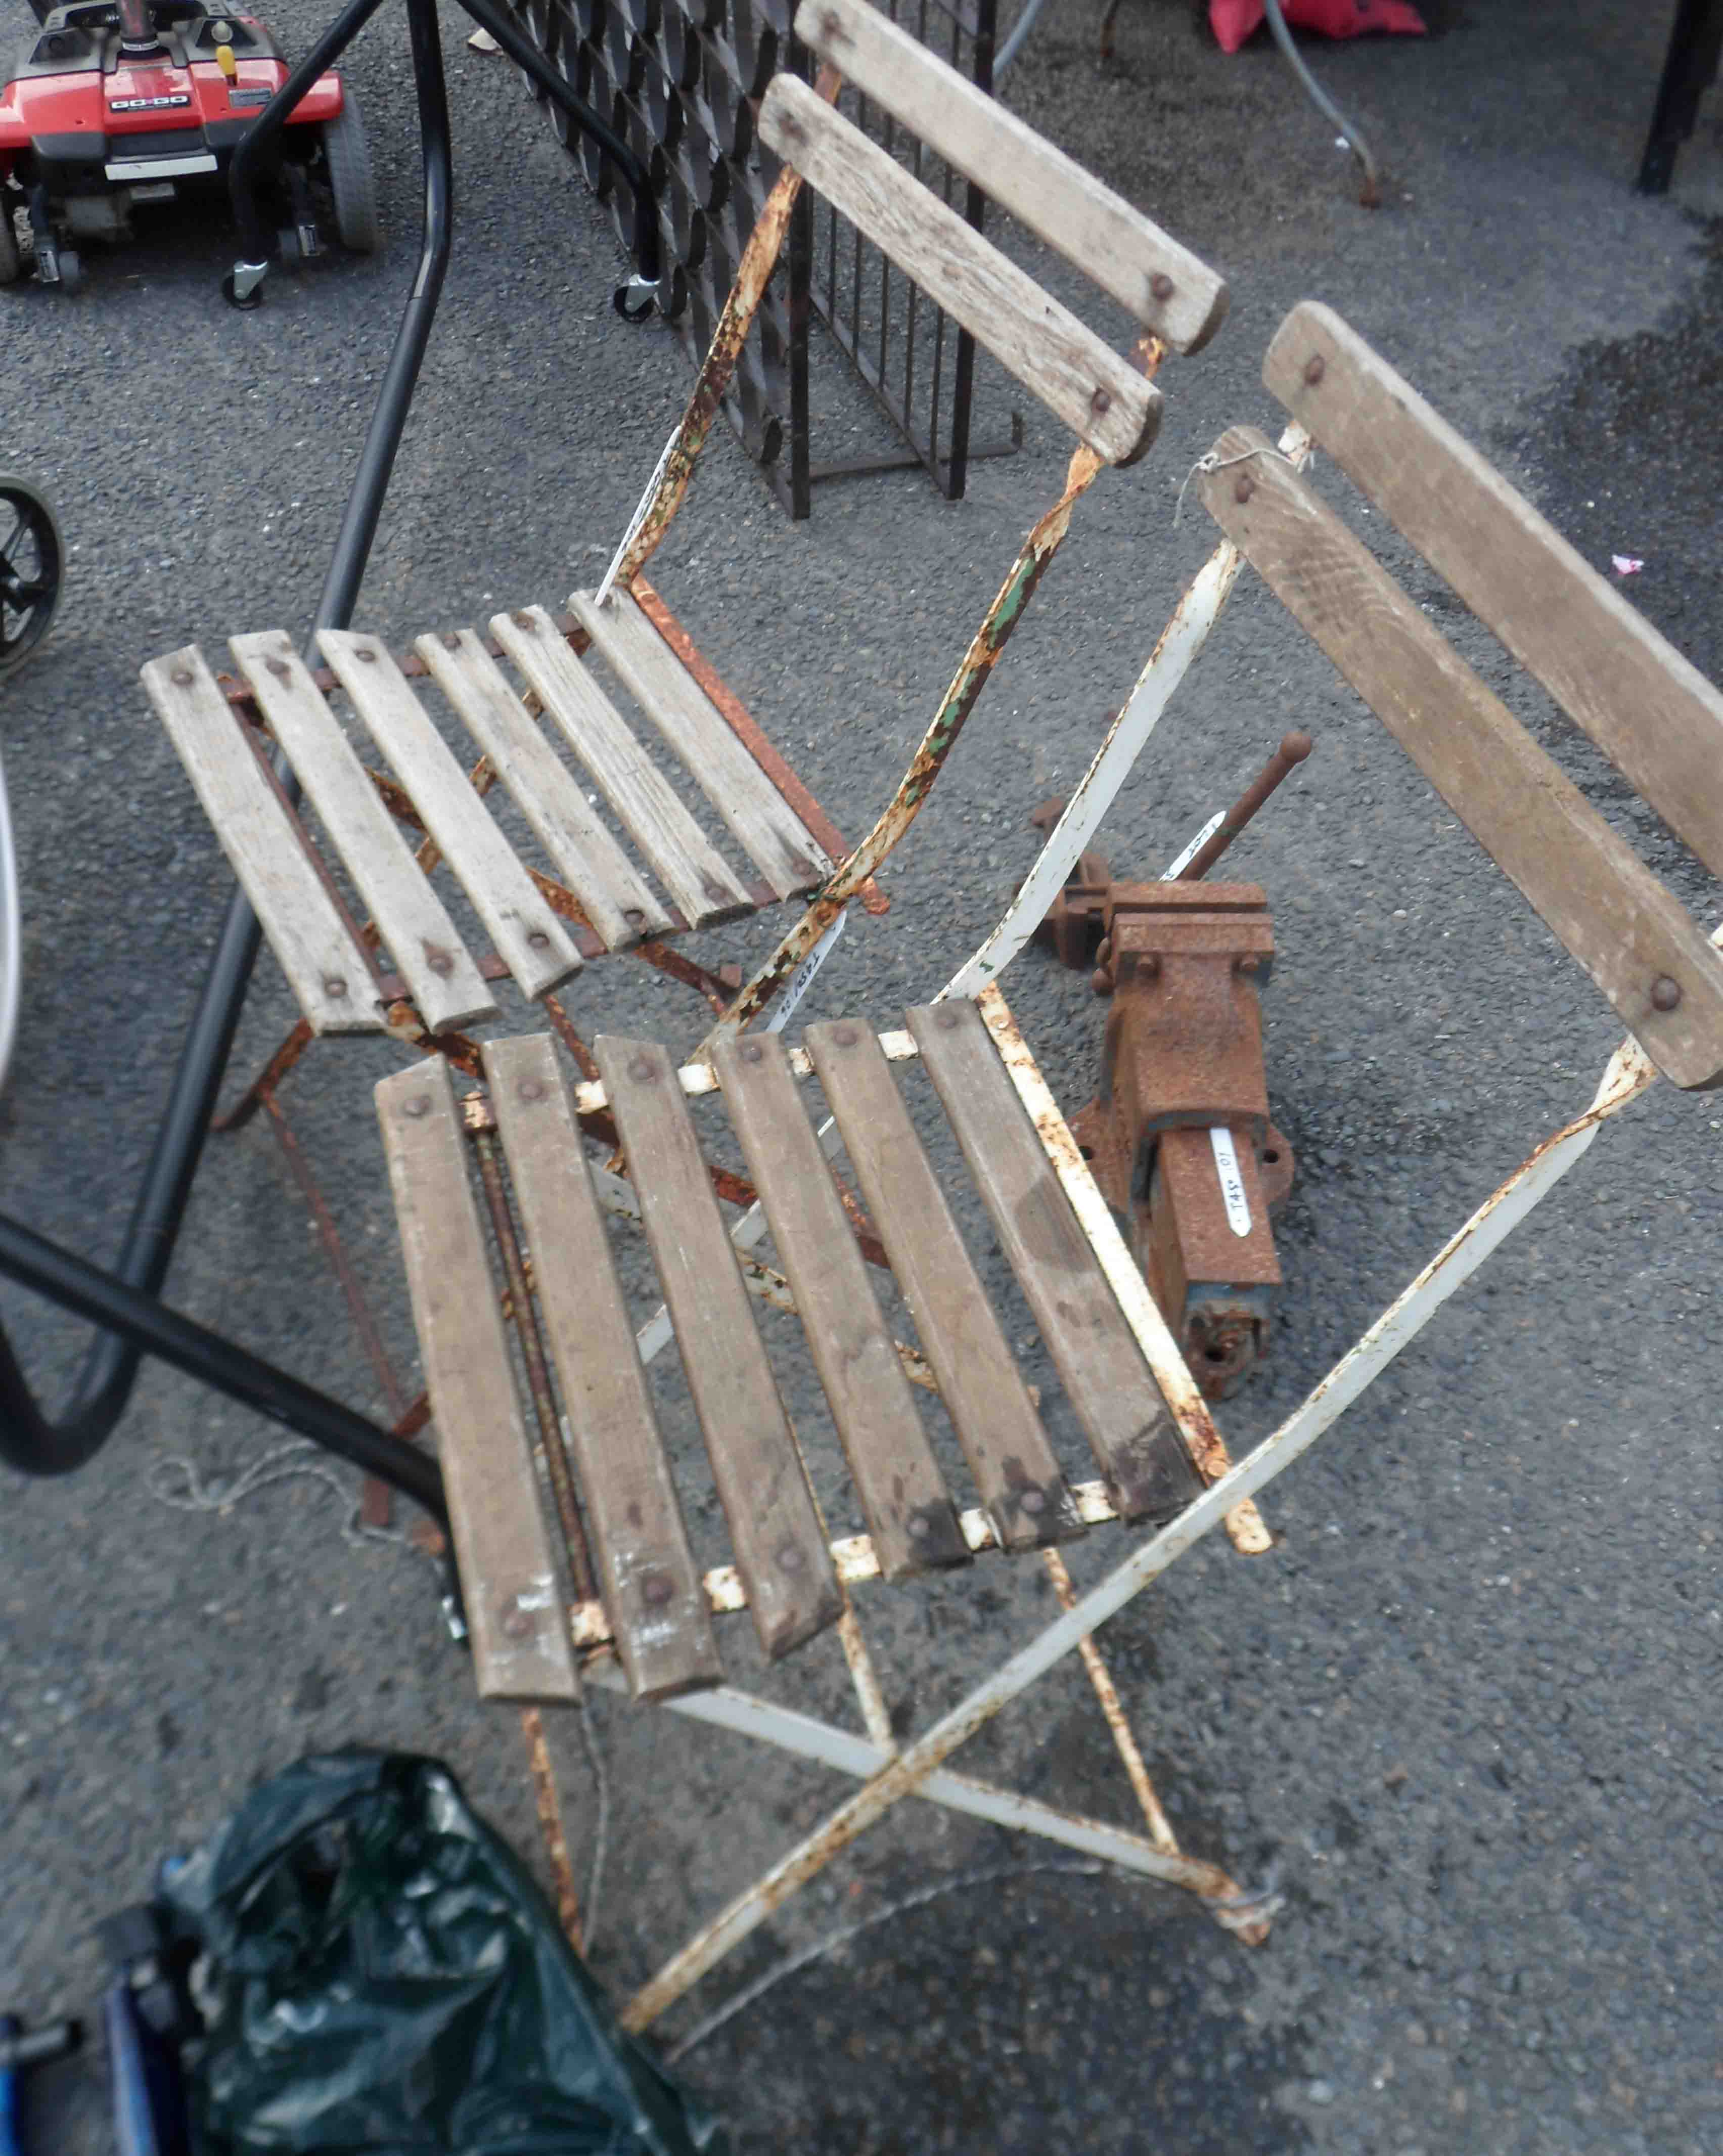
248 166
975 203
1689 68
150 1327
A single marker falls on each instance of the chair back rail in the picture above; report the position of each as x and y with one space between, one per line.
1101 397
1166 286
1653 715
1638 944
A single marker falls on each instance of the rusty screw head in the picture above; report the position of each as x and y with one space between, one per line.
791 1560
181 677
524 620
642 1067
1243 487
751 1051
947 1016
1665 993
656 1589
530 1088
1100 402
1314 368
846 1035
516 1622
1161 286
418 1106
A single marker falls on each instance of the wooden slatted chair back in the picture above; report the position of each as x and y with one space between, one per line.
1658 720
1099 395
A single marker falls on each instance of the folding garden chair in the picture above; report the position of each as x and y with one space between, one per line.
644 1617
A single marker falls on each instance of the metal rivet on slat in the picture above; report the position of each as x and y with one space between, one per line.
715 891
1665 993
642 1067
846 1036
517 1623
946 1016
181 677
524 620
365 652
531 1089
419 1104
1099 403
751 1051
790 1559
279 668
1243 487
1033 1501
1314 369
439 962
656 1589
538 939
920 1525
451 641
334 988
1160 286
634 917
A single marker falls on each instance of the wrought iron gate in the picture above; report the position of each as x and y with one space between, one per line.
681 80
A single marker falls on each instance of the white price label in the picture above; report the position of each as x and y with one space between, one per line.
802 980
1232 1182
1196 846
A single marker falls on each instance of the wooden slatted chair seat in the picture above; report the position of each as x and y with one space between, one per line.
652 1604
622 847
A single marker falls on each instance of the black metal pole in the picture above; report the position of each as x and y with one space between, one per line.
149 1327
246 170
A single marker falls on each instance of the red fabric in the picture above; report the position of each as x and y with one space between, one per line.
1233 20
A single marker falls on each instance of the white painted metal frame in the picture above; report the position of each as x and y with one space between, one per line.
888 1771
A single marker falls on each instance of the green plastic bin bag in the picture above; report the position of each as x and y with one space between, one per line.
380 1977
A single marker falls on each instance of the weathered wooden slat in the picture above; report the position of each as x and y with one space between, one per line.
619 902
1015 1472
691 869
1100 396
1655 716
324 967
1149 1473
515 1612
424 943
1655 966
909 1509
532 941
776 839
780 1550
1166 286
652 1588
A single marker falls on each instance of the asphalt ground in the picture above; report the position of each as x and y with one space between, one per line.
1466 1709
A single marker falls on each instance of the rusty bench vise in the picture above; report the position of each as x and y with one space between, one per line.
1179 1139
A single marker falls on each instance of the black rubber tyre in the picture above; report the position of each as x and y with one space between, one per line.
346 159
32 557
11 268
